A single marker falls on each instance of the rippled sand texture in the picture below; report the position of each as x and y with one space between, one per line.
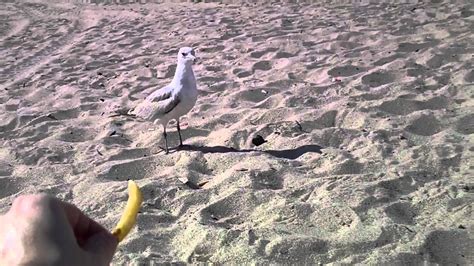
368 113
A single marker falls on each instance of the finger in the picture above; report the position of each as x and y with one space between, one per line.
83 226
90 235
101 247
95 239
29 205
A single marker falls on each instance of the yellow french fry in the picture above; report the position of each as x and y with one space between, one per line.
129 215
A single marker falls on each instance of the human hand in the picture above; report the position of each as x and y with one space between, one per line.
43 230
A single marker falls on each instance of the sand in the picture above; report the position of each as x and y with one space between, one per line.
367 110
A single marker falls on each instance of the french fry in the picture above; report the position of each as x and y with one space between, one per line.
129 215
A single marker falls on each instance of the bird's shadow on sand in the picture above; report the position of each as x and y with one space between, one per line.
287 154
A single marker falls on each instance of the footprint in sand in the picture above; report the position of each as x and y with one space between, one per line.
75 135
8 186
242 73
425 125
136 169
262 65
345 71
448 247
465 125
401 213
403 106
377 79
268 179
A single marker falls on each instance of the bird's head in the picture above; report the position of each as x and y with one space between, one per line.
186 56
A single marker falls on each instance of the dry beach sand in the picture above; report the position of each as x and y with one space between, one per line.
367 110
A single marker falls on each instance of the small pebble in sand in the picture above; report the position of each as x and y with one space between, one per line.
258 140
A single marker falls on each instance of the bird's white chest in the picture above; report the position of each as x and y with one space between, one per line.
187 94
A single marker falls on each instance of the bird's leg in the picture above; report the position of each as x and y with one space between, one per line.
166 139
179 133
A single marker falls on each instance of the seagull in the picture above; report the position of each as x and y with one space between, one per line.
174 100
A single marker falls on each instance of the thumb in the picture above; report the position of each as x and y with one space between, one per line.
101 247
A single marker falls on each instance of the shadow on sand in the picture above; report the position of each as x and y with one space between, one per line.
287 154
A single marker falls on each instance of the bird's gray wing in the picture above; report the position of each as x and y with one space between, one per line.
152 110
161 94
145 109
171 104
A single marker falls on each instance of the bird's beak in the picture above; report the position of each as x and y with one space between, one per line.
193 58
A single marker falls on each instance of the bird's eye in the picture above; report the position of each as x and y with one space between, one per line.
184 54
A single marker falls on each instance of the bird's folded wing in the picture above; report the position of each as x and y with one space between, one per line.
161 94
153 110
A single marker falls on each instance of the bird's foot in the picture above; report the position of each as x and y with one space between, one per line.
164 149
